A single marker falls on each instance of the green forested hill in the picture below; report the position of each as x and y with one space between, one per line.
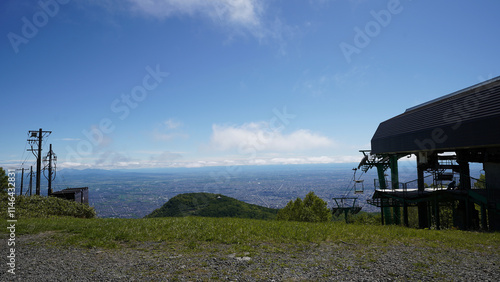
211 205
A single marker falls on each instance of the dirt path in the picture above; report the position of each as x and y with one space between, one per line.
264 262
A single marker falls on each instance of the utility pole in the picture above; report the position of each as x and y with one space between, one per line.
50 158
39 162
31 179
22 180
37 137
50 171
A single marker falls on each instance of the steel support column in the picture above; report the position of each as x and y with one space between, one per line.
405 214
422 206
463 167
436 214
393 164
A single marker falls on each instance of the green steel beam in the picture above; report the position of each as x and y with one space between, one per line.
405 214
387 215
484 222
381 177
397 215
393 164
436 214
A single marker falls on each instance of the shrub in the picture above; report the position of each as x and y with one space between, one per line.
312 209
38 206
3 181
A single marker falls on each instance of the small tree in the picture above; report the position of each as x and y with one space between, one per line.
4 181
481 183
312 209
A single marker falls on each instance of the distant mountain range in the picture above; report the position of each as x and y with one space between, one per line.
211 205
301 167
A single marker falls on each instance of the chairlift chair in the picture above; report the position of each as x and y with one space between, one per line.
359 186
345 205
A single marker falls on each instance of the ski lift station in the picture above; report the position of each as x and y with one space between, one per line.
446 135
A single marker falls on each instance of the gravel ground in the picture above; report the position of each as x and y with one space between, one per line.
163 261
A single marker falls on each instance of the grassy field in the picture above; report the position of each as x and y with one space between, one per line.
41 215
205 248
115 233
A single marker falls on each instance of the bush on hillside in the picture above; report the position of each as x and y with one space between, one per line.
38 206
4 183
311 209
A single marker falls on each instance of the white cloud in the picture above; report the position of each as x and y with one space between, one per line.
243 13
327 82
74 165
165 157
69 139
168 130
110 157
172 124
262 137
355 75
235 17
159 136
175 160
313 160
315 87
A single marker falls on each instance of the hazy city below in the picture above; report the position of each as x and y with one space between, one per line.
134 194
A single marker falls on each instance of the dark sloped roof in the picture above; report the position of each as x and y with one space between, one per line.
468 118
70 190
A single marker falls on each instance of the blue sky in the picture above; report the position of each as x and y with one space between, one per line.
160 83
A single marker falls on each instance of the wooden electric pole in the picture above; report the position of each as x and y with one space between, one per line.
31 179
51 158
22 181
50 171
37 137
39 162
